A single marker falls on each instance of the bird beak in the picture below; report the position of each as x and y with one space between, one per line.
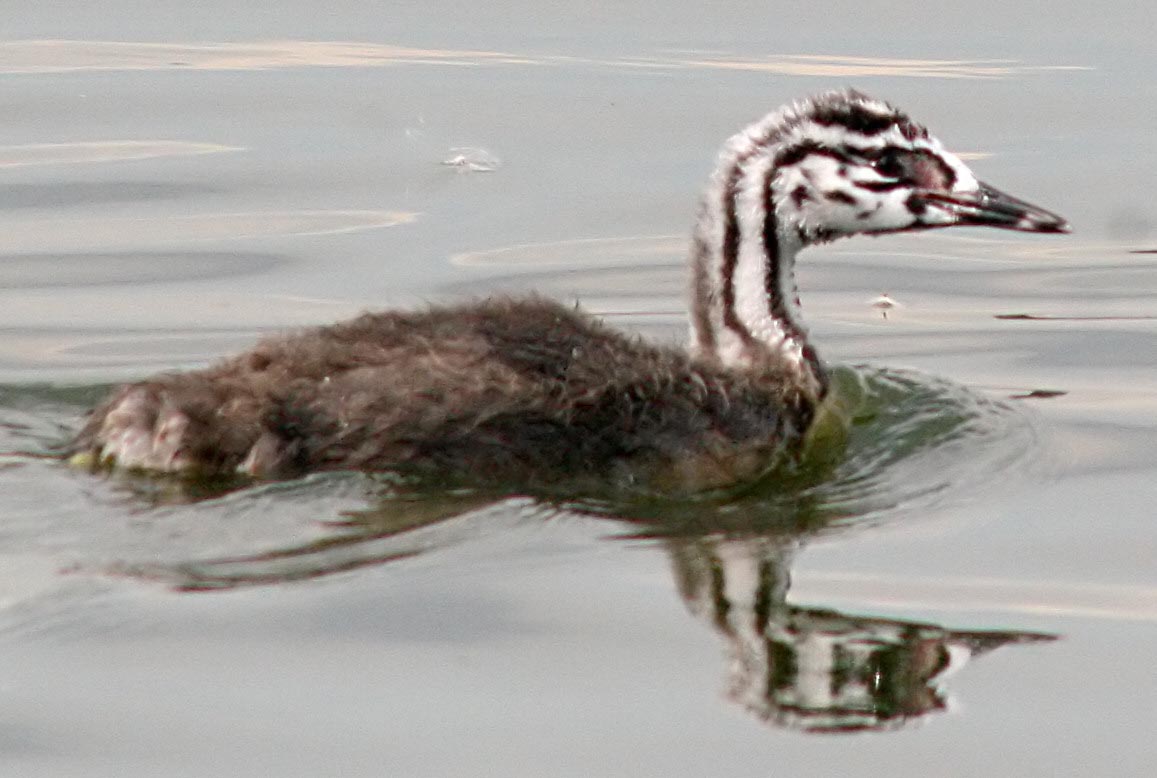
990 207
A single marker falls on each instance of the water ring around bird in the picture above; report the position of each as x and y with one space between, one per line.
889 446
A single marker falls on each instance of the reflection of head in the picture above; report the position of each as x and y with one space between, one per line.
813 669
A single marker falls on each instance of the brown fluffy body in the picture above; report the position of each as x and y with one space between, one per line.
510 390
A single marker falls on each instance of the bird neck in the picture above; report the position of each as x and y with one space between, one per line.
745 305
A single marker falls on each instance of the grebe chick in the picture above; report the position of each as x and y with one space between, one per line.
531 390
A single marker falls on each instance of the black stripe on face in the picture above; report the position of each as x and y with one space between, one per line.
854 117
915 167
916 204
840 197
793 155
910 130
857 118
858 113
880 186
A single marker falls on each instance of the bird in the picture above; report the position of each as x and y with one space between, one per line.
527 390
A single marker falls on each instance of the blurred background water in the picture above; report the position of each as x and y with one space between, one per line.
175 182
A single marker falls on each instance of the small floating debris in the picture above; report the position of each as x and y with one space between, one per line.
472 160
884 303
1050 317
1038 394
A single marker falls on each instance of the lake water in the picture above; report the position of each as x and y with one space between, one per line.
977 599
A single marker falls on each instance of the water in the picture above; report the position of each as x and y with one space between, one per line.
972 590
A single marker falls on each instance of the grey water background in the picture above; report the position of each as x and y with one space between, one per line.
173 183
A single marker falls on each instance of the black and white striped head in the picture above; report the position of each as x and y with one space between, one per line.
846 164
837 164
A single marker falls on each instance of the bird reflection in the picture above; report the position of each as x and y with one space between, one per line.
810 668
793 666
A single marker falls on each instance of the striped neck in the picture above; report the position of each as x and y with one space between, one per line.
745 305
836 165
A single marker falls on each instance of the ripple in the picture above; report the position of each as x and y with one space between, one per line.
35 235
103 151
858 67
80 269
72 194
948 276
904 444
909 250
61 56
1075 600
919 442
914 445
58 56
580 252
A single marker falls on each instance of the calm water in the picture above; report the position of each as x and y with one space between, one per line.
972 591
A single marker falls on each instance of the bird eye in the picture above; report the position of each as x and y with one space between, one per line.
890 163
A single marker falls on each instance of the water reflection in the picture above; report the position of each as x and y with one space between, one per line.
914 442
802 667
812 668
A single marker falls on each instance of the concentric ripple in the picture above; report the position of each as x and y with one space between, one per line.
901 444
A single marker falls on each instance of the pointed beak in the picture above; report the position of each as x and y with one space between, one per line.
990 207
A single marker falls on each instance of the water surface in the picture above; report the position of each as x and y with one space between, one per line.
974 593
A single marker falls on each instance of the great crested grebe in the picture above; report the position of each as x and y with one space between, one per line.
530 389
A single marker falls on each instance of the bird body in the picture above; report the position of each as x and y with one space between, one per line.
508 389
531 390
